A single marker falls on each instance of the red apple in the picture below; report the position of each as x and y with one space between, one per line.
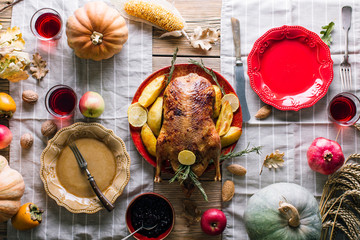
5 136
213 221
91 104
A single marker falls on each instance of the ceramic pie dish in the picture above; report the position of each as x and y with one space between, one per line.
290 68
107 160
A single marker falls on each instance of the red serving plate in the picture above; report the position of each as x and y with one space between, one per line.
290 68
180 70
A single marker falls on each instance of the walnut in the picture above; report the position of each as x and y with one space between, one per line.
29 96
26 140
48 128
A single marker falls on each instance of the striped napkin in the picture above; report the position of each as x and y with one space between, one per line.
289 131
116 79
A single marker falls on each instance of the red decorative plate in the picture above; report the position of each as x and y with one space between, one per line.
180 70
290 68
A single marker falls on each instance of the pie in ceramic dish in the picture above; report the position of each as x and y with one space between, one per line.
107 159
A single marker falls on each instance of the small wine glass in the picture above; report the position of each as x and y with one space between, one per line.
46 24
344 109
60 101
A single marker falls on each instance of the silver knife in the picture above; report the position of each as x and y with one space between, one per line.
239 70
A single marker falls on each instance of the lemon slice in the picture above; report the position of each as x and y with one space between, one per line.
137 115
232 99
186 157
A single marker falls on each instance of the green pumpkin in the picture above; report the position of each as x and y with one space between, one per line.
283 211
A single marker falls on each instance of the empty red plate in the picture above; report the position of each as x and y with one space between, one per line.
290 68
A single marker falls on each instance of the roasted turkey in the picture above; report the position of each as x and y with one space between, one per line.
188 125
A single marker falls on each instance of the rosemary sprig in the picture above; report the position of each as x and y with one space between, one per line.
184 172
208 71
247 150
197 183
172 68
178 172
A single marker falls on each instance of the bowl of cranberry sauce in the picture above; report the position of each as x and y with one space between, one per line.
150 209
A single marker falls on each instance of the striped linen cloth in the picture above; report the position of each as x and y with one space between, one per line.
116 79
289 131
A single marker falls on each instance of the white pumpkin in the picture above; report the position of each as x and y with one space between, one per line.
12 188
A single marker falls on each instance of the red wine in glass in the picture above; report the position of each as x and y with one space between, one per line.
60 101
344 109
48 25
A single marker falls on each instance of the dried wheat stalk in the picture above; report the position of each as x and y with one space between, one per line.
340 202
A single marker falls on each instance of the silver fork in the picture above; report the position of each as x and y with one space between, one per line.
345 67
83 165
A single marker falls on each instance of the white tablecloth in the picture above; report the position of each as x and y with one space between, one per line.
289 131
116 79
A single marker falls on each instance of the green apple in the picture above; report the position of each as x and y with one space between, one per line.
91 104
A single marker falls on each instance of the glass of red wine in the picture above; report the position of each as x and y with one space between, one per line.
46 24
60 101
344 109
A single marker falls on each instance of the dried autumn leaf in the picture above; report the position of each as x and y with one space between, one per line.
274 160
39 70
12 37
204 38
12 60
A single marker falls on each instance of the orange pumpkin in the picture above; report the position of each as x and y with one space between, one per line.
96 31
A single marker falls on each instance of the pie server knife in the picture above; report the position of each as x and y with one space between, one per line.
239 70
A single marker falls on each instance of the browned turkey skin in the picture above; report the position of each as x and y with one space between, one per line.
188 125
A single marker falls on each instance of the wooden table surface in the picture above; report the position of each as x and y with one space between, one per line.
195 14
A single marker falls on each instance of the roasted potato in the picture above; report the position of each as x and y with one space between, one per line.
231 136
152 91
217 104
149 139
225 119
155 116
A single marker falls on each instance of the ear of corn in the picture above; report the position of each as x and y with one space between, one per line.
154 13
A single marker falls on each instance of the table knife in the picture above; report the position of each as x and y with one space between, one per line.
239 70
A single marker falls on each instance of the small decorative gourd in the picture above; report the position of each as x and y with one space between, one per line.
12 188
96 31
283 211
